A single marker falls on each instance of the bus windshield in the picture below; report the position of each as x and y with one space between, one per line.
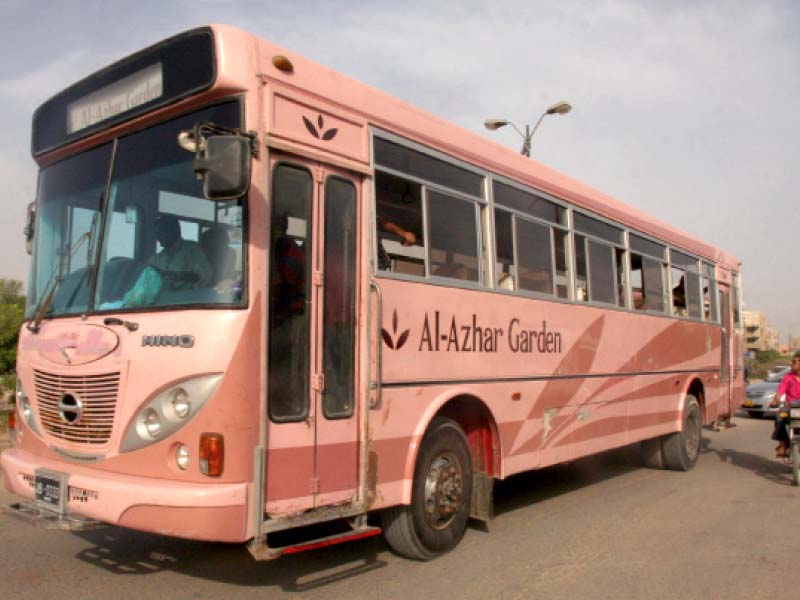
143 237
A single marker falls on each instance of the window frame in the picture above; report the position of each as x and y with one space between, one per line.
479 204
622 247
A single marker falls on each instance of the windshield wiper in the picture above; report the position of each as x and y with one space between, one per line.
56 277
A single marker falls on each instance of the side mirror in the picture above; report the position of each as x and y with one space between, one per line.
224 166
30 227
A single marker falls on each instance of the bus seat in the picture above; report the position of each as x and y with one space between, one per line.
220 255
506 281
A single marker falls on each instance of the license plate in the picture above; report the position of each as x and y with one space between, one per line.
50 490
747 403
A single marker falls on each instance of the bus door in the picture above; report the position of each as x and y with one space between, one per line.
312 434
725 346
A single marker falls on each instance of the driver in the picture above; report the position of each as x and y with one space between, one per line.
789 385
181 265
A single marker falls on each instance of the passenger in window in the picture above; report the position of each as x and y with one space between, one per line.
289 327
638 298
287 276
407 237
181 265
679 298
505 281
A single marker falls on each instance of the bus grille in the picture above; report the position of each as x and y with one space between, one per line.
90 402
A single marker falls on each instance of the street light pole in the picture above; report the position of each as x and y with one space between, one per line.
559 108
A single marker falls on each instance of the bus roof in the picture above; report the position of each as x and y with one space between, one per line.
394 115
234 72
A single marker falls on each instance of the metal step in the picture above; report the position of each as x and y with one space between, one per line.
311 517
261 551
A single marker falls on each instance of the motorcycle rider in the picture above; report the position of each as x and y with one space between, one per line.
789 385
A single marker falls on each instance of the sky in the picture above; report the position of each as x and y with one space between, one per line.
685 110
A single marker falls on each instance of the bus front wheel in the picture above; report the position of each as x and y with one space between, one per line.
440 500
682 448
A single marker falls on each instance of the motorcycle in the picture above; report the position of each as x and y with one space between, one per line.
790 413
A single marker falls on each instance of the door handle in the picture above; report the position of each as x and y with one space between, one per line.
377 384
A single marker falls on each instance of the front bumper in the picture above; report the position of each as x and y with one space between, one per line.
199 511
758 406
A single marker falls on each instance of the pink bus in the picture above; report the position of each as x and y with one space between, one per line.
265 296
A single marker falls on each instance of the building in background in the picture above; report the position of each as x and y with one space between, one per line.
755 330
773 338
794 344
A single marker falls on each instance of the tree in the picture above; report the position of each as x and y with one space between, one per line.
12 312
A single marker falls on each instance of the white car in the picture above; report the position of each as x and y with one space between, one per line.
758 396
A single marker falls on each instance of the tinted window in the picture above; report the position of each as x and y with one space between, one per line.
645 246
597 228
505 269
647 283
680 259
693 296
581 280
535 257
339 311
528 203
402 159
399 205
289 285
67 231
602 286
453 237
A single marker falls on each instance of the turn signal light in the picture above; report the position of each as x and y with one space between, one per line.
12 427
212 454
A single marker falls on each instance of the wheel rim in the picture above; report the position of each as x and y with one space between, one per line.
692 437
444 490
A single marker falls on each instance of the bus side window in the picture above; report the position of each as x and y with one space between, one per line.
504 267
535 256
399 202
602 287
637 282
679 292
453 227
581 280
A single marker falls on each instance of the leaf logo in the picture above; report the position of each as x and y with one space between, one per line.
389 338
315 130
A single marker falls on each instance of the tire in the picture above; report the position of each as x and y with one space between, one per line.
437 518
795 464
681 449
755 415
652 454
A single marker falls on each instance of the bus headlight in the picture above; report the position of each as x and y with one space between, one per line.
168 410
25 409
180 403
152 423
182 457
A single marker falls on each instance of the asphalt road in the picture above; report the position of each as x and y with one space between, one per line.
603 527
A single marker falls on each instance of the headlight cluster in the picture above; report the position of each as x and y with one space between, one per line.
25 409
167 412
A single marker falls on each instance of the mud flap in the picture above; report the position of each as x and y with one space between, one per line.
482 505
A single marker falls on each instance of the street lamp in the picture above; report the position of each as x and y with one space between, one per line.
559 108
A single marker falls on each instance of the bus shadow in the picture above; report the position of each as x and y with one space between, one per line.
771 469
126 552
524 489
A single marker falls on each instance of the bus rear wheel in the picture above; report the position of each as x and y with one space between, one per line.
435 521
682 448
